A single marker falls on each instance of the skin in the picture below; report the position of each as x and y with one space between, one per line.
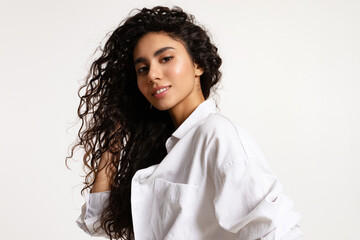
105 170
163 61
160 60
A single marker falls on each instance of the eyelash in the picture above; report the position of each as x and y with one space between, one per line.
163 60
168 58
142 69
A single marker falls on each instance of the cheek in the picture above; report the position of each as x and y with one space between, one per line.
184 70
142 87
178 69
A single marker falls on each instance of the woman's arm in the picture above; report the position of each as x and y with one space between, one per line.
104 173
249 199
98 198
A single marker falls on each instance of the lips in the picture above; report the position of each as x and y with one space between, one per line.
158 90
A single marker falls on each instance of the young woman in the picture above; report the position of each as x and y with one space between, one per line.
163 163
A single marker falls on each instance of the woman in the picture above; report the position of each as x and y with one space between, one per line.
163 163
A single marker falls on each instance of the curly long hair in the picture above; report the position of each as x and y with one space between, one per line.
116 117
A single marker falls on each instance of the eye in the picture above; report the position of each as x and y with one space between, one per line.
166 59
142 69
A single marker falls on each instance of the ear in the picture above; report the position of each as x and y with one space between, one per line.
198 70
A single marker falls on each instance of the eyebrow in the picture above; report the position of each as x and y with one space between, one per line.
156 53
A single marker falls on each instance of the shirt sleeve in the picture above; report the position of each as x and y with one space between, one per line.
91 211
249 200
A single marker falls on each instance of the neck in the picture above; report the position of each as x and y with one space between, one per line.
181 112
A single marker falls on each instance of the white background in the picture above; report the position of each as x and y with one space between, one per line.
290 77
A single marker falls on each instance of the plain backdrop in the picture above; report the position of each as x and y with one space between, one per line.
291 72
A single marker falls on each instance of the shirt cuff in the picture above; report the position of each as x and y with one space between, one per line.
88 221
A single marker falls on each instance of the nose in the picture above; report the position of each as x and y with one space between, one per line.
154 73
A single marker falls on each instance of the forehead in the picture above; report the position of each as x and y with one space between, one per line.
153 41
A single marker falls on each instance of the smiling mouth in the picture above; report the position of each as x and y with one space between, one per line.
160 90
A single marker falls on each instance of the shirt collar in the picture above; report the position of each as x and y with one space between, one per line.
201 112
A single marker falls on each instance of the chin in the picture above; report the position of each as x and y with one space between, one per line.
162 107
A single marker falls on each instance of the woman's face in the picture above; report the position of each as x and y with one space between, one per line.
166 75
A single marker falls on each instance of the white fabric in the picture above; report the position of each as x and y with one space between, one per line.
214 183
91 211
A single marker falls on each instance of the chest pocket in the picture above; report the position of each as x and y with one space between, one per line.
173 211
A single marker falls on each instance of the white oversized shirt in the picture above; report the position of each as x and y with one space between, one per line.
214 183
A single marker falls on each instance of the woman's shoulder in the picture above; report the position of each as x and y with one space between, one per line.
223 129
216 123
216 127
